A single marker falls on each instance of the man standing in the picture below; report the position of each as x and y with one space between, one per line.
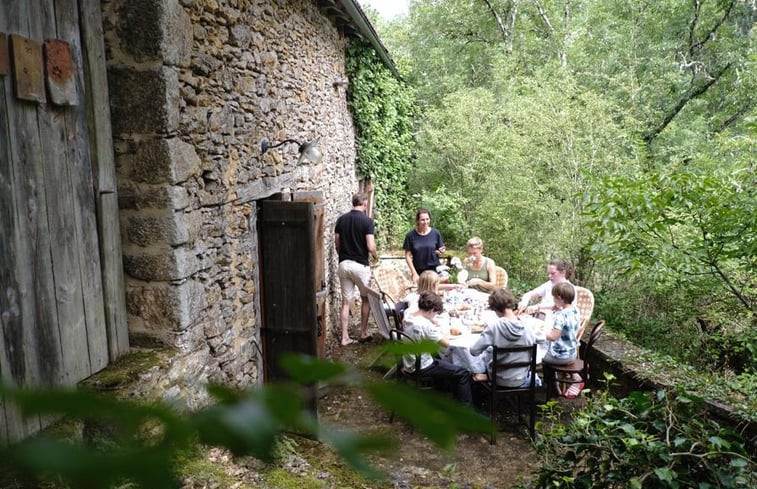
354 240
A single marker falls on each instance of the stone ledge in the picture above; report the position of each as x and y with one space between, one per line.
618 357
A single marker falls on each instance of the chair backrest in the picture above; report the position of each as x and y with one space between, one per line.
392 282
379 312
498 365
585 305
596 332
399 313
500 279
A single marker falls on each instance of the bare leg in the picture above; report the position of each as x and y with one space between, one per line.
365 311
344 319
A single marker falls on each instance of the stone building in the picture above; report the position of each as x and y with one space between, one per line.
195 86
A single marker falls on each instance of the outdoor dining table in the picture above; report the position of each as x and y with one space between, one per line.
470 321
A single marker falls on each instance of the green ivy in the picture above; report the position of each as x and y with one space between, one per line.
383 108
647 440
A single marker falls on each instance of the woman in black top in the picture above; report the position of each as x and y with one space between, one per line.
423 245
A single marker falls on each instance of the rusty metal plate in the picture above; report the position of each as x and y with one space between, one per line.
4 64
28 75
59 72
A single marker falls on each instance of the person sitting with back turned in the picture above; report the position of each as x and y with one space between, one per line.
354 241
480 269
563 346
507 331
419 326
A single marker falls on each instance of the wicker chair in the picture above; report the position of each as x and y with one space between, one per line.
392 282
500 281
585 305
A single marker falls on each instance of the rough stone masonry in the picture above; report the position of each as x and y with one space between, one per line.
195 85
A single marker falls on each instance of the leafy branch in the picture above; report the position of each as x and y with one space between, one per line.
145 439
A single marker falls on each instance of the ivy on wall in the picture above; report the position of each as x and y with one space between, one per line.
383 108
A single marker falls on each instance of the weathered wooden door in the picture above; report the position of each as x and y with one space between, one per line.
288 279
319 260
62 308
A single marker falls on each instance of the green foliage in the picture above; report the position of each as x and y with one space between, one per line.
681 222
145 440
617 135
739 392
383 108
646 440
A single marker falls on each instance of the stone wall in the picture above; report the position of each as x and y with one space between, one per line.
195 85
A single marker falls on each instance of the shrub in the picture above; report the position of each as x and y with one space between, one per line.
646 440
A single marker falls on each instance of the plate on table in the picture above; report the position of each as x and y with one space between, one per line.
474 326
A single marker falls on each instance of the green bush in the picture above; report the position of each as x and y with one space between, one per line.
646 440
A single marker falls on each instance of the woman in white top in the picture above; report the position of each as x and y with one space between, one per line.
559 271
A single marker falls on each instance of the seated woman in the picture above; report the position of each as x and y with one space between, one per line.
505 332
420 326
558 271
480 269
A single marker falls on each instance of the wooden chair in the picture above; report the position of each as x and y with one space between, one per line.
501 277
578 366
497 392
585 305
416 377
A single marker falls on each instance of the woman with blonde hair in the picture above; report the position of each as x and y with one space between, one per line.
480 269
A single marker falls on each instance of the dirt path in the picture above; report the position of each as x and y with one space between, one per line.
473 463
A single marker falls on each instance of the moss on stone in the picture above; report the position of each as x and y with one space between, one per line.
127 369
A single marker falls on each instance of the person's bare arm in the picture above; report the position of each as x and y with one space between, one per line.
336 242
370 242
409 260
553 334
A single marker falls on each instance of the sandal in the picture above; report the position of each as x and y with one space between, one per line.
574 390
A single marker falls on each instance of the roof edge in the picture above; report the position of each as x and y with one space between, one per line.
366 29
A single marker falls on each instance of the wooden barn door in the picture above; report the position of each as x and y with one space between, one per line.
290 322
62 309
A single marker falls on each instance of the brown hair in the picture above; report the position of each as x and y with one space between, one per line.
564 291
429 301
562 266
359 199
501 299
422 210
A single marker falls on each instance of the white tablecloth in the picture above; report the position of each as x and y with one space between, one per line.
458 351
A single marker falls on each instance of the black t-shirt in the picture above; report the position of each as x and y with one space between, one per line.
423 249
352 228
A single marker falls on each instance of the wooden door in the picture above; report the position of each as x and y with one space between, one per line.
319 262
56 310
287 282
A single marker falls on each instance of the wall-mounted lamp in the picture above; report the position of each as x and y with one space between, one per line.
308 150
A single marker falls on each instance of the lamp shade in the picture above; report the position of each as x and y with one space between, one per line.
309 151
